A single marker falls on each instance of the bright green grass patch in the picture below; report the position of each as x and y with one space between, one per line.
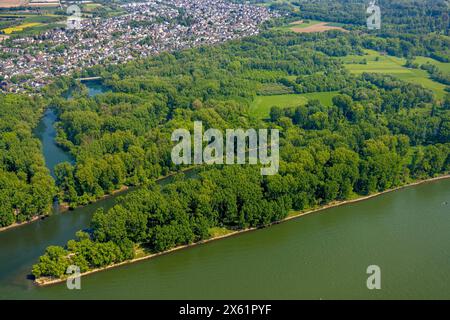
141 251
218 232
442 66
92 5
377 63
88 7
292 78
262 104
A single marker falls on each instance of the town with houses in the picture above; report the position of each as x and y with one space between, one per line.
145 29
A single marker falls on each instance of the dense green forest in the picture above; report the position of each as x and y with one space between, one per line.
409 28
398 16
26 187
378 133
123 137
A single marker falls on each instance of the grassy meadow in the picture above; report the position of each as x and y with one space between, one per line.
442 66
262 104
378 63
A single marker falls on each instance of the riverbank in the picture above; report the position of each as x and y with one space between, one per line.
294 215
21 224
64 206
363 198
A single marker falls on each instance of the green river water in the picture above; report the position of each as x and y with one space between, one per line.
319 256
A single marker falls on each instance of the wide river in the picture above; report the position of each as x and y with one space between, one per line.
320 256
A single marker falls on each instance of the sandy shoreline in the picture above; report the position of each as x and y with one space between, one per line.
47 281
21 224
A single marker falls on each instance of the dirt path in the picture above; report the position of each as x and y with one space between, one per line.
319 27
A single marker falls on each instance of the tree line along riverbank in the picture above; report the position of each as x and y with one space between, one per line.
225 233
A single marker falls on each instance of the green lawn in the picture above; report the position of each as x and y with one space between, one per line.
262 104
377 63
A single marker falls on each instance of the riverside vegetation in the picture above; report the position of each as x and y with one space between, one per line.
26 188
378 132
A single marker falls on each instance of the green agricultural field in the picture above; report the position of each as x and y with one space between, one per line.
91 6
103 9
38 29
262 104
20 27
29 24
378 63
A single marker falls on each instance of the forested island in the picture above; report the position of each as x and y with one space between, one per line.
356 133
378 133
